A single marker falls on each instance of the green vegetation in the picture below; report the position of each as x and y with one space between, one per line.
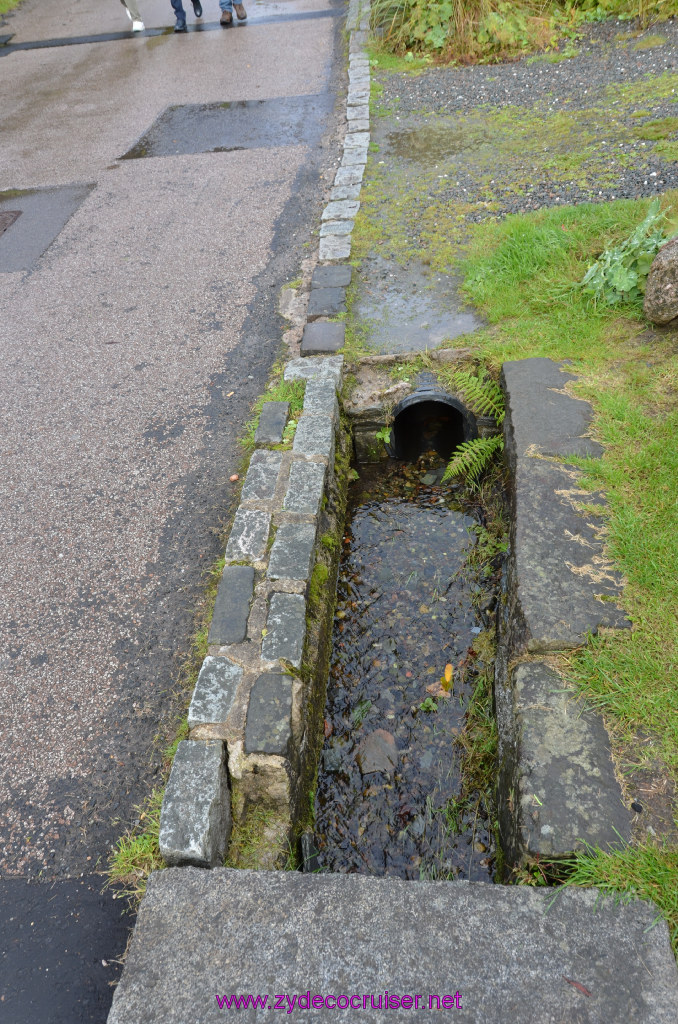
8 5
279 390
490 30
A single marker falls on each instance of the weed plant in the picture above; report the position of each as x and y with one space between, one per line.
466 31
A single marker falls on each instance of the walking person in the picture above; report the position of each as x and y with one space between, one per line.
132 9
180 13
227 8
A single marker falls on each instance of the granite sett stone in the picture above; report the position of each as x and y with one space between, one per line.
336 227
292 552
359 112
335 247
321 398
314 436
262 476
195 820
305 368
269 715
272 423
357 140
323 336
286 629
305 491
232 606
349 175
354 157
331 277
357 124
342 210
249 535
345 192
326 302
214 693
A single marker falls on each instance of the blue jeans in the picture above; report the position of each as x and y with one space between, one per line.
178 7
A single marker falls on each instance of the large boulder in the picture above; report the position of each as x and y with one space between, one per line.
661 293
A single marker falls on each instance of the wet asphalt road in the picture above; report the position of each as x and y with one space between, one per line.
131 352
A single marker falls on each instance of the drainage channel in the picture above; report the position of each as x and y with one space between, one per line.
410 645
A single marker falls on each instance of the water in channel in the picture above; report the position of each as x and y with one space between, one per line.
389 786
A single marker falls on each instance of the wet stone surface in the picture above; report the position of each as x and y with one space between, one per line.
389 780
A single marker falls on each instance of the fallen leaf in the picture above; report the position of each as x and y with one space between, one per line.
437 690
577 985
230 393
448 673
329 728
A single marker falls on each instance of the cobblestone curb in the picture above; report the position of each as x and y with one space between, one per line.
248 704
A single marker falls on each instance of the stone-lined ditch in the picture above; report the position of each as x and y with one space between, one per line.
412 602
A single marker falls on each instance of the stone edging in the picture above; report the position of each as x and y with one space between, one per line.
557 785
247 717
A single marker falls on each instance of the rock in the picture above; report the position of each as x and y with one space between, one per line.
661 293
377 753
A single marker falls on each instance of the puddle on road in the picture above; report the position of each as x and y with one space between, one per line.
241 124
389 785
408 310
429 143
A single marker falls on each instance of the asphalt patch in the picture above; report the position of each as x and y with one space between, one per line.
58 944
44 214
242 124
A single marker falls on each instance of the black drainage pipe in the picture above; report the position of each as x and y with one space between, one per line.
429 419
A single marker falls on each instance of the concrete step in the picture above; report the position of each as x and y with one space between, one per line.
498 953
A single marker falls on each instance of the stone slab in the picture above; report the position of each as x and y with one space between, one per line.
511 952
326 301
345 192
195 820
336 227
314 436
305 491
331 277
357 140
232 606
321 398
323 337
349 175
286 629
214 692
292 552
249 536
262 476
272 423
555 759
304 369
357 124
345 209
359 112
335 247
354 157
557 572
269 715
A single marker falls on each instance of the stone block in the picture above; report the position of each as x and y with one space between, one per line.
195 820
345 192
262 476
555 762
305 491
335 247
272 423
346 209
321 398
349 175
357 140
304 369
357 124
354 157
286 629
314 436
326 302
249 536
358 96
232 606
361 112
269 715
336 227
292 552
512 952
331 277
214 692
322 337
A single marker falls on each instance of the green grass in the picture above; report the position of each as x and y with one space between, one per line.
279 390
522 274
8 5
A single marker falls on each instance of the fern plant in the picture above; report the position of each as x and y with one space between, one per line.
471 458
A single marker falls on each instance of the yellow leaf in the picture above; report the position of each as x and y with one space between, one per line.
448 673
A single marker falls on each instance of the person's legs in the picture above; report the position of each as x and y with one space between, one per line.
179 11
132 8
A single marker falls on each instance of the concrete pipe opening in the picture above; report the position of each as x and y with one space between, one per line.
430 421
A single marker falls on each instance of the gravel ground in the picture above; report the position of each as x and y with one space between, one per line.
578 86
